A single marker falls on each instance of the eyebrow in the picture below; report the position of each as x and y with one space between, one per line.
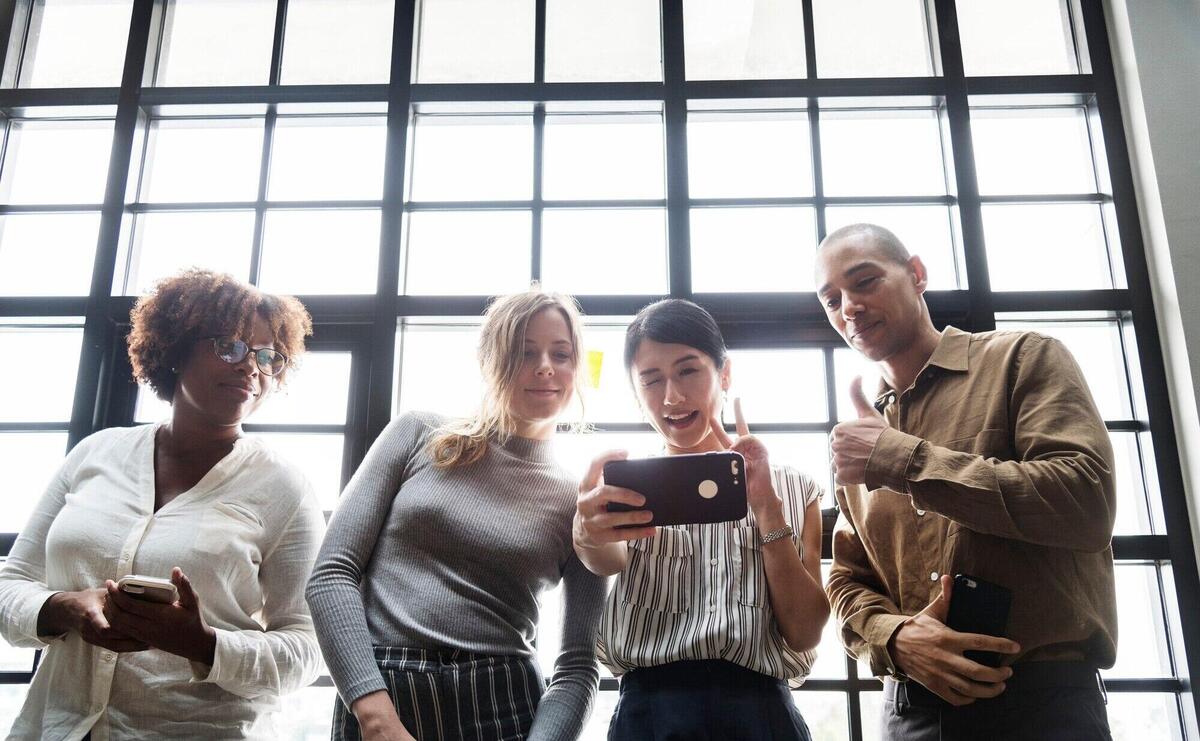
556 342
865 265
684 359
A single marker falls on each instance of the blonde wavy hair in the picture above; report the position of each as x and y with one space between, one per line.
501 354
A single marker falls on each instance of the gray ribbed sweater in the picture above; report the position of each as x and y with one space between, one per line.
426 558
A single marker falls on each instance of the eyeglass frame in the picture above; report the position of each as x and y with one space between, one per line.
249 351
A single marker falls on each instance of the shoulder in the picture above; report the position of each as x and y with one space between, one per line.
275 473
112 440
1017 348
792 483
413 427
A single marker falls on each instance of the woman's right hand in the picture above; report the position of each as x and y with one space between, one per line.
83 613
594 526
377 718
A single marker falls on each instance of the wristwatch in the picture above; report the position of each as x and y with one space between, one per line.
777 534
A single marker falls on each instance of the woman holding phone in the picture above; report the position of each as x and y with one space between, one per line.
425 591
233 526
708 624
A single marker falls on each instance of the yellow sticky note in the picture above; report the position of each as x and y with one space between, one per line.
595 362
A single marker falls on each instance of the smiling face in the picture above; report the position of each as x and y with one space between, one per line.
545 381
680 389
222 393
872 300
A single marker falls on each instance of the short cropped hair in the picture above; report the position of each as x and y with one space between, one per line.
200 303
888 243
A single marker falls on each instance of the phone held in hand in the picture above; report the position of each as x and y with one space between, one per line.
149 588
683 489
978 606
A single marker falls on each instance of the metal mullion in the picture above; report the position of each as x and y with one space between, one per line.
382 345
603 203
1050 198
312 429
98 332
539 41
814 133
260 203
1104 299
46 208
9 16
981 314
34 426
946 200
76 96
259 94
468 205
679 259
49 306
276 69
1030 85
538 205
269 205
758 202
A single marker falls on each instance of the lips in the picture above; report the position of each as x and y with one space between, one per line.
543 391
859 333
241 390
681 420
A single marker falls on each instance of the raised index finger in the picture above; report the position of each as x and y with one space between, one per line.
739 419
718 429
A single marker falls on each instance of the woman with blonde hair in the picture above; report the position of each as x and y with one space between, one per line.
424 594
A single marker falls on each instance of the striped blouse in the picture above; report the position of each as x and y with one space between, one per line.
700 592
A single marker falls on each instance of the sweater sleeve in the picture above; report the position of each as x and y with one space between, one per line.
567 703
334 590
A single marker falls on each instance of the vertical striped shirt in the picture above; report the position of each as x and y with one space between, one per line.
700 592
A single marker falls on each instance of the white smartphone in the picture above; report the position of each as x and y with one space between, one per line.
149 588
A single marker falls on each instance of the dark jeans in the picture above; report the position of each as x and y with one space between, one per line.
1050 701
705 701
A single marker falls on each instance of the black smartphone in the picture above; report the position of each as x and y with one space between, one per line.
978 606
683 489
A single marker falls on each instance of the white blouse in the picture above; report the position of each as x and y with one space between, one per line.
246 535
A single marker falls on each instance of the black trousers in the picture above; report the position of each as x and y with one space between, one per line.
705 701
1050 701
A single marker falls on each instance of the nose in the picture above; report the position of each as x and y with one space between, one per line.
672 395
247 365
851 307
545 367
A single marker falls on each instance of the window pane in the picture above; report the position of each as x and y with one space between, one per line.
1096 346
1136 716
166 242
12 697
307 713
1032 151
190 161
590 41
31 243
316 393
825 713
604 156
29 460
748 155
871 706
1142 650
39 152
327 158
467 252
217 42
35 346
449 386
778 386
831 657
927 231
337 41
807 452
605 251
872 38
317 456
1133 518
315 252
1065 241
14 660
463 158
1016 37
753 249
150 408
762 39
475 41
76 43
882 153
596 727
613 399
575 451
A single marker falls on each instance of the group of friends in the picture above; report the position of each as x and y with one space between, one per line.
979 453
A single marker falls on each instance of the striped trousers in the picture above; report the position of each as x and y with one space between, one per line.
453 695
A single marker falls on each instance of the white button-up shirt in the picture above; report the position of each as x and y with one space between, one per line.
246 535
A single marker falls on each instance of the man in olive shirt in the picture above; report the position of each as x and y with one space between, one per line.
983 454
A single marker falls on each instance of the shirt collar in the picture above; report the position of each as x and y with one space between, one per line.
949 354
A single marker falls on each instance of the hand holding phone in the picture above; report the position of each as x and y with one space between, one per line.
683 489
978 606
149 589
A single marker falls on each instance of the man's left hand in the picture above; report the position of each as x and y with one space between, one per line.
177 628
853 441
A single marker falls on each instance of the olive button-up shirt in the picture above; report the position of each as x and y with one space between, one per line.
996 464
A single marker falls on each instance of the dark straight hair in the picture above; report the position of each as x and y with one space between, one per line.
679 322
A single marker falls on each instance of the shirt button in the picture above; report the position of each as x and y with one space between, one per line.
125 555
712 561
920 513
933 576
107 656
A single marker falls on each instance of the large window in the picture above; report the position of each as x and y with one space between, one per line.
396 163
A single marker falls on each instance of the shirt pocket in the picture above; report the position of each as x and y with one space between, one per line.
751 574
659 573
228 529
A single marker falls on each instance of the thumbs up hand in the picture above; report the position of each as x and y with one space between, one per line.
853 441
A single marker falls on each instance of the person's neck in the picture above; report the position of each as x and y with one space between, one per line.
192 433
709 444
536 429
901 369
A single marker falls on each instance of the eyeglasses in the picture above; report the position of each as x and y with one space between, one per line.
233 351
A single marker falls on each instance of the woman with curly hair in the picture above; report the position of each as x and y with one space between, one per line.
425 592
233 527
